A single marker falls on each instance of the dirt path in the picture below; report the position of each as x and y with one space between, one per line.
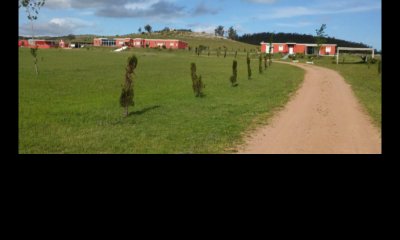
323 117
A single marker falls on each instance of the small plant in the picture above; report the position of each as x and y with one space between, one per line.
126 98
260 69
197 83
233 78
35 60
248 67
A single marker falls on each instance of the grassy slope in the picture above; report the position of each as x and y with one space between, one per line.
73 107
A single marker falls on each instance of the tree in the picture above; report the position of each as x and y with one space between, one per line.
140 30
148 28
197 83
248 66
219 31
32 8
232 34
260 69
126 98
233 78
320 39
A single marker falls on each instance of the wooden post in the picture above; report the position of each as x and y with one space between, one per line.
337 57
373 53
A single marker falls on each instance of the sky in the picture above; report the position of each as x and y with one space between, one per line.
352 20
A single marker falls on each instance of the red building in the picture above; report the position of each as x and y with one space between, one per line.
140 43
31 43
305 48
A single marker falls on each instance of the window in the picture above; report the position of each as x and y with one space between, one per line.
281 48
171 44
328 50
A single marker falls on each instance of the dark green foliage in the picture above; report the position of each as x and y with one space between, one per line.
232 34
260 69
32 7
126 98
219 31
35 60
233 78
148 28
248 67
197 83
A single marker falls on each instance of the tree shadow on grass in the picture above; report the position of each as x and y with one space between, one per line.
143 111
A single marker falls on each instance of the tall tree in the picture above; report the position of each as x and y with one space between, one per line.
320 39
219 31
148 28
126 98
32 8
232 34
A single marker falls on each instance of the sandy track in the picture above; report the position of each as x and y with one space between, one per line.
323 117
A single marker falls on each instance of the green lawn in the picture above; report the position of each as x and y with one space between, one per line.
365 82
73 107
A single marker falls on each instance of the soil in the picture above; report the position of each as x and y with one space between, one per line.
323 117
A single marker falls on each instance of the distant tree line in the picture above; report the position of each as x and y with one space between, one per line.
257 38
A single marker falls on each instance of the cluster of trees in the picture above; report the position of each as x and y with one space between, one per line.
257 38
231 33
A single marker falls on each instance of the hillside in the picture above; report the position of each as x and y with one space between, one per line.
194 39
257 38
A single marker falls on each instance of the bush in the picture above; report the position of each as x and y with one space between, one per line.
197 83
260 69
233 78
248 67
126 98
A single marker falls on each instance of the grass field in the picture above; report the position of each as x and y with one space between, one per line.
73 107
365 82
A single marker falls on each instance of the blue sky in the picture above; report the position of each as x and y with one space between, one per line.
353 20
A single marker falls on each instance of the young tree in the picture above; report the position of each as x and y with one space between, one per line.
148 28
271 39
126 98
140 30
260 69
248 66
219 31
32 8
232 34
320 39
233 78
197 83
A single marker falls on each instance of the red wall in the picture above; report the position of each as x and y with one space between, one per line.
299 48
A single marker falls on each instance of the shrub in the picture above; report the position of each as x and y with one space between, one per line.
248 67
233 78
197 83
126 98
260 69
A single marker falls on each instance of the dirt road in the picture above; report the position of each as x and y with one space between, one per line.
323 117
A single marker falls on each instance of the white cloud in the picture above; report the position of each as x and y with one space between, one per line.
55 27
327 8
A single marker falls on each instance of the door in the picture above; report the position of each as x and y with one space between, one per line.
290 50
